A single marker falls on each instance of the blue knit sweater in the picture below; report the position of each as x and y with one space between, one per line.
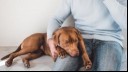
95 19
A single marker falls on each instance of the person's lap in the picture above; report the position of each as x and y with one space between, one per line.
105 56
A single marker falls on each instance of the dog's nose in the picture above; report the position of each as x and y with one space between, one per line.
75 53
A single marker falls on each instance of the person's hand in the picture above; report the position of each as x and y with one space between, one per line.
53 50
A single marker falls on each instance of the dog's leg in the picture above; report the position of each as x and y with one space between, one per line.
85 57
13 55
29 57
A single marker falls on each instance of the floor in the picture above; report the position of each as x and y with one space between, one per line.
44 63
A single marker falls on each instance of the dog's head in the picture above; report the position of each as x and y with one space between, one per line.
68 39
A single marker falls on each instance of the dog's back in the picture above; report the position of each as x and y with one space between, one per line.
35 40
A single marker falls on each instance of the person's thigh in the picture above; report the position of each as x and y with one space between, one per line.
67 64
107 56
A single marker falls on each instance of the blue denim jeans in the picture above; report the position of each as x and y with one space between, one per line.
105 56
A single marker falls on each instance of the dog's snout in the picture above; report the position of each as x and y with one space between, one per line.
75 53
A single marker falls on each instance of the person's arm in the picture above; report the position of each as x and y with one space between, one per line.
62 13
118 10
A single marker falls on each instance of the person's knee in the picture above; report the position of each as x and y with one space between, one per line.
67 64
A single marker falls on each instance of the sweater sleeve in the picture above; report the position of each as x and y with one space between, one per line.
62 13
118 10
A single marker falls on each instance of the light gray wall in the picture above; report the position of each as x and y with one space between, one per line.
20 18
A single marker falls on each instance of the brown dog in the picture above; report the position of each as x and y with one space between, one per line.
68 40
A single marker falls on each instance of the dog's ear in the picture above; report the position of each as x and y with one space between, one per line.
56 36
78 34
85 56
81 41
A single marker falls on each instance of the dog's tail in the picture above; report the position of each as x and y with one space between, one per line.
18 49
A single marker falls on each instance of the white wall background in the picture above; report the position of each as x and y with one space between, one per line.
20 18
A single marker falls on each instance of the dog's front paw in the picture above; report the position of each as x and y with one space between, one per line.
61 53
88 65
